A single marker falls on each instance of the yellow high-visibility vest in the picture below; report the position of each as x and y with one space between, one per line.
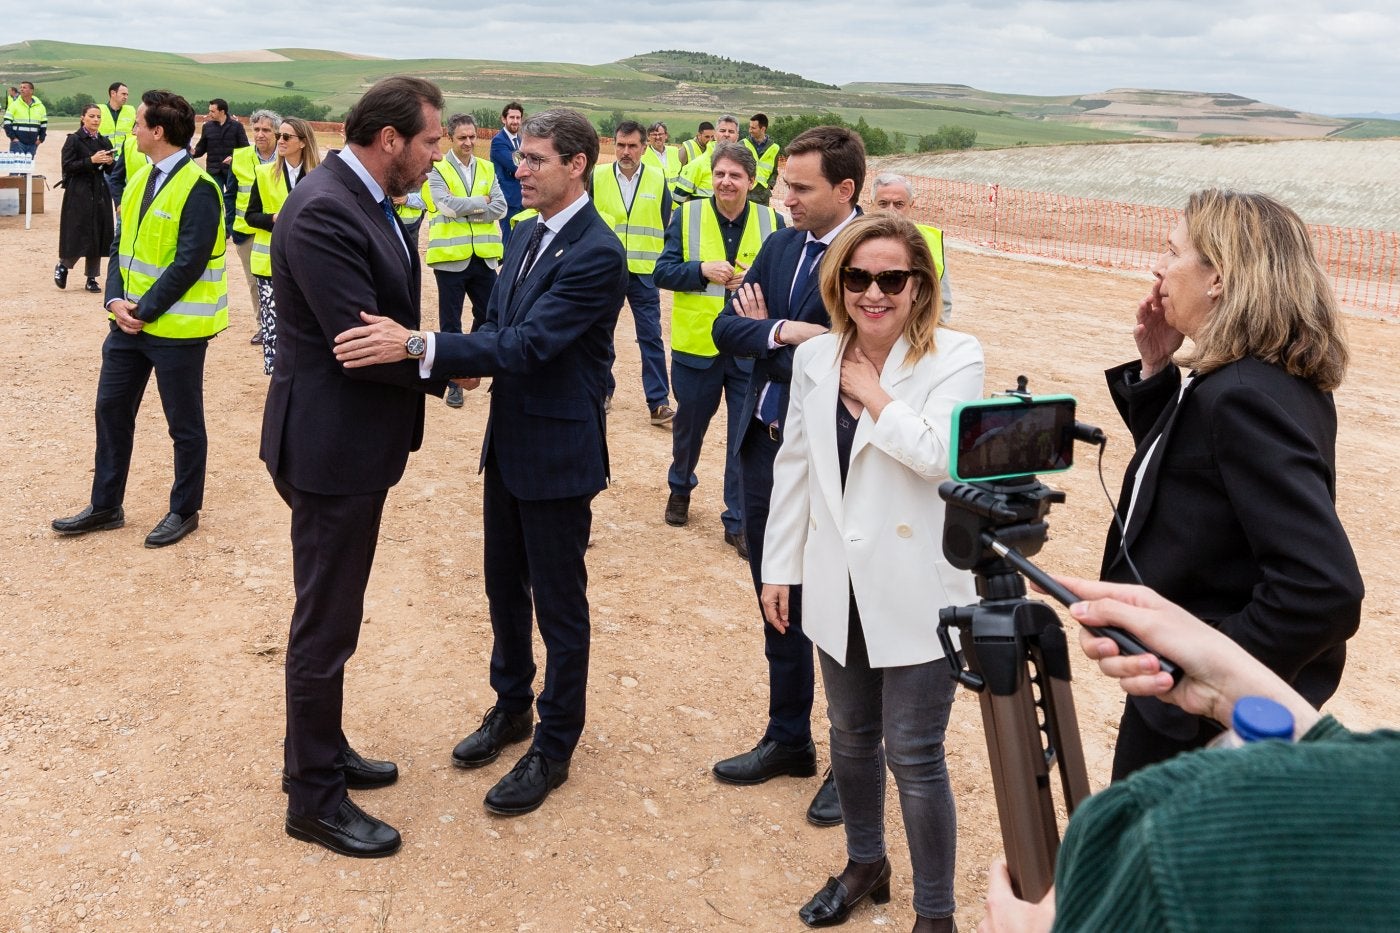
693 313
695 180
147 248
30 118
767 162
117 130
523 215
934 237
671 170
272 190
641 229
452 239
245 168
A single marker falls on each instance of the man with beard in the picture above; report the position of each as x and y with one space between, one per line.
503 148
335 440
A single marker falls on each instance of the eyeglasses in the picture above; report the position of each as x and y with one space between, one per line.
286 136
891 281
534 162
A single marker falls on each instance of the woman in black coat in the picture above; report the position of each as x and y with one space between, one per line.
1228 503
85 224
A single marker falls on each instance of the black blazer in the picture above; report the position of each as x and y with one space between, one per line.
327 429
773 269
548 345
1236 521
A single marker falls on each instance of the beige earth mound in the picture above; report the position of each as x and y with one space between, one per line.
141 708
229 58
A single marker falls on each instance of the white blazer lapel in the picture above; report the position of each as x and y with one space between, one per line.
819 416
892 375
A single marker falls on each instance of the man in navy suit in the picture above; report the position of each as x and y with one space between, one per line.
547 341
335 439
503 148
778 307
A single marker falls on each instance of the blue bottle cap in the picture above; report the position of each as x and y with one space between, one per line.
1257 718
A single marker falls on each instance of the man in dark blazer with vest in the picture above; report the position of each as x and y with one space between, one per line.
336 439
778 307
547 343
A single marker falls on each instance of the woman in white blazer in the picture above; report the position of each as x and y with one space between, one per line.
857 520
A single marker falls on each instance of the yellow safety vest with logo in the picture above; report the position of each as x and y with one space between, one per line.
30 117
671 170
272 189
147 248
694 313
640 229
452 239
767 162
245 169
117 130
695 180
934 237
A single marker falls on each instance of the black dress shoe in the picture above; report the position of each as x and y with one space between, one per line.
526 786
738 542
89 519
171 529
351 831
833 904
498 729
825 809
361 773
60 275
768 760
92 285
677 509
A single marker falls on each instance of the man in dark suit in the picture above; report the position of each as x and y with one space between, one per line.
778 307
503 148
167 295
335 440
547 342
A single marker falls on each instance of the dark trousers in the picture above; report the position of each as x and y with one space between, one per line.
333 541
645 302
1140 745
228 184
127 361
697 394
474 282
534 559
791 677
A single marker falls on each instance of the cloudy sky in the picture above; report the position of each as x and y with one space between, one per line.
1341 56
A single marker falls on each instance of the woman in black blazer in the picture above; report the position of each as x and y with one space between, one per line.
1228 505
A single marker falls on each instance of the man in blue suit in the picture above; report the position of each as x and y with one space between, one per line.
778 307
547 341
503 148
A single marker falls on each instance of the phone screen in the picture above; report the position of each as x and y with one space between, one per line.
1009 438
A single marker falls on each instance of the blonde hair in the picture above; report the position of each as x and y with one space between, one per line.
1275 303
927 309
310 152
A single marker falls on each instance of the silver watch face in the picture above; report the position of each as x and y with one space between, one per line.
416 346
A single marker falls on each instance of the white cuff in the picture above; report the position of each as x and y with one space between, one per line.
425 365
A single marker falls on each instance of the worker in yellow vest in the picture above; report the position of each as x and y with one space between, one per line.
765 152
26 121
695 176
710 244
262 126
297 153
465 204
117 119
697 144
662 156
891 192
167 295
631 196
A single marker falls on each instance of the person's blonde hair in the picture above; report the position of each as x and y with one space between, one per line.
927 309
1275 303
310 152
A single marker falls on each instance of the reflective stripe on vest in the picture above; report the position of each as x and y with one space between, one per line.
695 180
452 239
272 189
767 162
640 230
694 313
245 168
116 130
27 118
147 248
934 237
671 170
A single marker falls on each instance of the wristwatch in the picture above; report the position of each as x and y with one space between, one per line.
415 346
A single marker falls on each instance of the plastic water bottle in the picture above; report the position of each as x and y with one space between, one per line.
1255 719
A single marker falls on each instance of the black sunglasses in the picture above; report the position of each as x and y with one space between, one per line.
285 136
891 281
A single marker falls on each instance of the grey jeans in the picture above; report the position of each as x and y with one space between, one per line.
907 708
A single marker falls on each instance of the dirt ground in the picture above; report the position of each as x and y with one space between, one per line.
141 691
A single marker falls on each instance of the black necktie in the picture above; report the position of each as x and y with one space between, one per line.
532 250
149 194
810 258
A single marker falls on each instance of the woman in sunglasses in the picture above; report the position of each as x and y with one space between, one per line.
297 154
857 520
